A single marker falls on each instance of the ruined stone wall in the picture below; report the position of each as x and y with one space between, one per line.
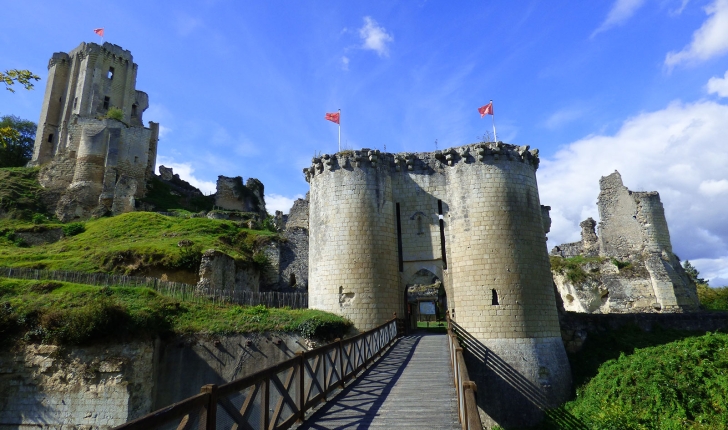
495 267
633 233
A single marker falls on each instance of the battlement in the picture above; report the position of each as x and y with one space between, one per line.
423 162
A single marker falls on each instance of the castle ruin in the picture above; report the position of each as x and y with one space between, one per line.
93 164
633 268
469 217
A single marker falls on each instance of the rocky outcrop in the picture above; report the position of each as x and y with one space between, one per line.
629 267
220 272
233 195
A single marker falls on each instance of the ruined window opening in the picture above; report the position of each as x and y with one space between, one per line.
399 241
134 111
106 102
495 297
442 234
292 280
110 74
50 138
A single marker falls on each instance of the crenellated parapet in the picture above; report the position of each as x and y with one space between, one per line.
486 153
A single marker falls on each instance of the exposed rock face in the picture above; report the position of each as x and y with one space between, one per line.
99 387
219 271
298 215
233 195
89 161
41 237
634 268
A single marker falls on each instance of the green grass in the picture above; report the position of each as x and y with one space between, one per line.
131 242
713 299
679 385
73 314
573 267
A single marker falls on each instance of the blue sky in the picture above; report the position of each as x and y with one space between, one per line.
241 88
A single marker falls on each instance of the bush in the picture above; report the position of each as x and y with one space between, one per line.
73 229
115 113
713 299
683 384
39 219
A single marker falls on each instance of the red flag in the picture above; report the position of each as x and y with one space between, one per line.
333 117
99 31
486 110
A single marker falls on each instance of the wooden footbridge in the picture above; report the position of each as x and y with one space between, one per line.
378 379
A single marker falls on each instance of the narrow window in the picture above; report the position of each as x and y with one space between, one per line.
495 297
50 138
399 241
420 228
134 111
136 159
110 74
75 102
106 102
60 99
292 280
442 234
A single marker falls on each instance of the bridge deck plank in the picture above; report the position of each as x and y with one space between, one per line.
409 387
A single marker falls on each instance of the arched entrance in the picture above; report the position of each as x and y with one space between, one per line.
424 298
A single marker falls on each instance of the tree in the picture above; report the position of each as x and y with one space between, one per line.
17 137
23 77
693 273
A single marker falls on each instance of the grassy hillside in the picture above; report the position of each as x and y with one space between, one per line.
20 193
678 385
132 242
67 313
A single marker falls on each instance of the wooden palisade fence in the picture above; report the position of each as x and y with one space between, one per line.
276 397
467 406
179 290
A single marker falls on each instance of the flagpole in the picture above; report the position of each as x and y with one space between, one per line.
495 136
339 130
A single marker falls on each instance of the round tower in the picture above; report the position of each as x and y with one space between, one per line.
503 290
353 268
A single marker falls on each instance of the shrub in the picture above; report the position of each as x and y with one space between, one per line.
115 113
713 299
73 229
621 264
39 219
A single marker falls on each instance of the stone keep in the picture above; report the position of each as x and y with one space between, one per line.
471 217
94 163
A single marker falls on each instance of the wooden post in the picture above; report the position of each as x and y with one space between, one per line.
341 360
211 408
301 388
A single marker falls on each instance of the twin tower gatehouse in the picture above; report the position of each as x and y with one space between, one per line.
469 217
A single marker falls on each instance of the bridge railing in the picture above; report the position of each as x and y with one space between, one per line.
466 389
276 397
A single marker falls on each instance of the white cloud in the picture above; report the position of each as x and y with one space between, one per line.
164 131
718 85
185 172
375 37
676 151
344 63
621 11
709 41
562 117
277 202
715 270
713 187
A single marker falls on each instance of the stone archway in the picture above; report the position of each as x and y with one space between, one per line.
425 286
